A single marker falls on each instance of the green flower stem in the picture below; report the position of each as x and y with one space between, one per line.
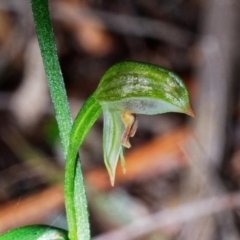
76 202
48 49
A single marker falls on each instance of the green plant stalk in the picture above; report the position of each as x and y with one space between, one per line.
48 49
76 207
75 197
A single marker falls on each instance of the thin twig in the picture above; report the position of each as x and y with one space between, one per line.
138 26
179 215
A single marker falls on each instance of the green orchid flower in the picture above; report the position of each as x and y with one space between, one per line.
130 88
126 89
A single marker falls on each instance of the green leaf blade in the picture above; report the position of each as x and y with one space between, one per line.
35 232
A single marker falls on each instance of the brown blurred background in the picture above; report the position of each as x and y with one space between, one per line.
183 174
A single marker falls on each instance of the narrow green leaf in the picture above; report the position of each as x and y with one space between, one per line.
36 232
